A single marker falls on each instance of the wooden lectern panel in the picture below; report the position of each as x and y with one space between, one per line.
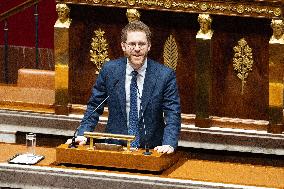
116 159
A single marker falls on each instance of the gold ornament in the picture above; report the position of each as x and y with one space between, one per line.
168 4
267 10
171 53
203 6
131 2
132 15
242 61
277 12
240 9
99 54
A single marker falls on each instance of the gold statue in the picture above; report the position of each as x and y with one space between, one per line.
63 15
132 15
278 31
205 31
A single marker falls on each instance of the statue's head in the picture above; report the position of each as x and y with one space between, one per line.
133 15
205 22
278 28
63 12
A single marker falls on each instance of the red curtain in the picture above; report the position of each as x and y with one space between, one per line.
21 27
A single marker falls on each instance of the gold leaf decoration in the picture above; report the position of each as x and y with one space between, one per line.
98 53
171 53
232 7
242 61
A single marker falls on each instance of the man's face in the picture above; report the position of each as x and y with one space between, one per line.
136 48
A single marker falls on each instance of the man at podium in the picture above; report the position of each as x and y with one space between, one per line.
141 94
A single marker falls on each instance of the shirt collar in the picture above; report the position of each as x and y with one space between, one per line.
141 71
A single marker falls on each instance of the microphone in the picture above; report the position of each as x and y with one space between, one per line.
73 143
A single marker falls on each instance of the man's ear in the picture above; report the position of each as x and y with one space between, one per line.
149 47
123 46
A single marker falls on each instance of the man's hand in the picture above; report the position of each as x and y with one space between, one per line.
81 140
164 149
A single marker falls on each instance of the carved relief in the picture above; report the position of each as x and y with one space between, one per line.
278 31
131 2
205 31
170 53
63 16
242 61
98 53
132 15
168 4
222 8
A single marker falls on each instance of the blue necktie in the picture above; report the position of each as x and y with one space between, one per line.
133 114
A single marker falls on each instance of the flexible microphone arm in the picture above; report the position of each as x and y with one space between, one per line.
73 143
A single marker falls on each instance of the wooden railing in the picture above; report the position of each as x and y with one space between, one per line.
17 9
4 17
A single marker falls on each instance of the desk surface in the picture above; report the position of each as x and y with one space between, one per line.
188 168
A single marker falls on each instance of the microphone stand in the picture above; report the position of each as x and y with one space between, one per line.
147 150
73 143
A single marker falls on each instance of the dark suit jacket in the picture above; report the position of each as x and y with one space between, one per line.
160 103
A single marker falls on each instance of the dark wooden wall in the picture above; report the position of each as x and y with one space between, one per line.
24 57
226 89
226 98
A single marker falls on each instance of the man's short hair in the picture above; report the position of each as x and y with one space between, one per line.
136 26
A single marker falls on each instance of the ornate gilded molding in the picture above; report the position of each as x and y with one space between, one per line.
242 61
171 53
98 53
266 9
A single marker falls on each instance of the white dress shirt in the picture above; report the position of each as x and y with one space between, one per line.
140 81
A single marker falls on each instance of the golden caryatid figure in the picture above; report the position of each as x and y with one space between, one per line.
63 15
132 15
205 31
278 31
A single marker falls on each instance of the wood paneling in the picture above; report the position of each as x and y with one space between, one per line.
226 87
226 98
24 57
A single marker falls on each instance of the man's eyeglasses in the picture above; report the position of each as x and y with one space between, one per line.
132 45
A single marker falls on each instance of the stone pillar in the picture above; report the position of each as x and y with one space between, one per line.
203 72
61 55
276 61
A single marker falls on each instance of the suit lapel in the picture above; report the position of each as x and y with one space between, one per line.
149 84
121 86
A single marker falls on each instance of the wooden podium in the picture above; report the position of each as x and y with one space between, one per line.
118 158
